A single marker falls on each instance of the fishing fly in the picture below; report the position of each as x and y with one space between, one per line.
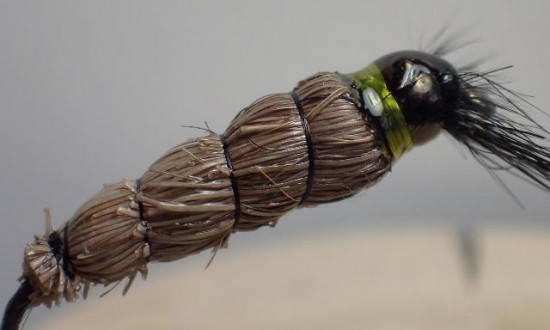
332 136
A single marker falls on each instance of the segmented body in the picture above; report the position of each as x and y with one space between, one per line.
328 139
311 146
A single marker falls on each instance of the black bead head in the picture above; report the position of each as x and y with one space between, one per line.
424 85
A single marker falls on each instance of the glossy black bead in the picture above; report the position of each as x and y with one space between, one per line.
424 85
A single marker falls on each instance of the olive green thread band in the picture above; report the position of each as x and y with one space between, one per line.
391 118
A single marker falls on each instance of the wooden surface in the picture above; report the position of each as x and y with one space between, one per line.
371 279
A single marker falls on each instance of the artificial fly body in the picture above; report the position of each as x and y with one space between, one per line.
332 136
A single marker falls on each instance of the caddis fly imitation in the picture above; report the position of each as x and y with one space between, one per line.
332 136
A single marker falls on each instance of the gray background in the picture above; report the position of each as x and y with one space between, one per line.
93 92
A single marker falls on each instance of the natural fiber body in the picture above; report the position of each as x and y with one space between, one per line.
332 136
304 148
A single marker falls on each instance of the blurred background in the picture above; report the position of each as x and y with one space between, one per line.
94 92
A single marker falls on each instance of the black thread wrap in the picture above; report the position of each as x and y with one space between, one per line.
309 143
142 218
234 184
